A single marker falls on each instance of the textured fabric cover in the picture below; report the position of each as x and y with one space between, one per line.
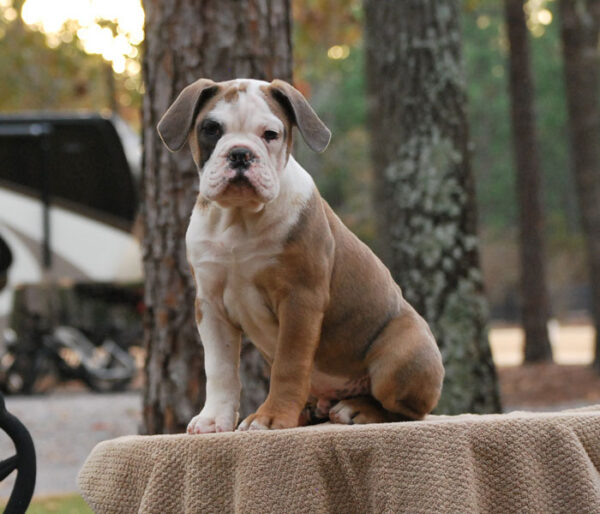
519 462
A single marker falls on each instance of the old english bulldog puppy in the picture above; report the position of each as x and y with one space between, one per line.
271 259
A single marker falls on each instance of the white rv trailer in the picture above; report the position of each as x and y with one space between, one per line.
68 200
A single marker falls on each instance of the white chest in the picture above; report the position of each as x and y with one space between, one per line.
229 256
226 259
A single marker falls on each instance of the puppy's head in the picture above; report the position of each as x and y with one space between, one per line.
240 135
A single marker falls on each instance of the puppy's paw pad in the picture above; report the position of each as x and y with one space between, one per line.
203 424
269 421
257 425
248 424
199 425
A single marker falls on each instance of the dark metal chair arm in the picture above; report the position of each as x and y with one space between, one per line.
24 462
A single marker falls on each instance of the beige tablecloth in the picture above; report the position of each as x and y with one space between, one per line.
519 462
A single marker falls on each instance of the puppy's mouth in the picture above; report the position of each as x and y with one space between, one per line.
240 183
239 191
242 187
240 180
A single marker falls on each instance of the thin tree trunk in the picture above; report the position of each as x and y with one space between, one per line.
186 40
534 292
111 89
424 185
580 29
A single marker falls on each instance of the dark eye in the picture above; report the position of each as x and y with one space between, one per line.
270 135
211 129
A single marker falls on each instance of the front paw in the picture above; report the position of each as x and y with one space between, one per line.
266 419
211 422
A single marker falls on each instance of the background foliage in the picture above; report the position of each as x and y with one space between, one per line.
54 72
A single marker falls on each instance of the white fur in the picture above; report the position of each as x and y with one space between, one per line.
227 247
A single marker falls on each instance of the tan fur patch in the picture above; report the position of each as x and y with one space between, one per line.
231 94
198 311
202 203
297 293
405 367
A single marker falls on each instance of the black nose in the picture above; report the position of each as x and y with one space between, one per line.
240 157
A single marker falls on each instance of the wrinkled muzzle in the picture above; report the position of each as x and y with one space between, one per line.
239 171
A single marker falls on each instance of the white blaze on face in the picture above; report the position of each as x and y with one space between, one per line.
245 120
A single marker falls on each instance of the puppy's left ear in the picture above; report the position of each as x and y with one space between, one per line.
313 130
176 124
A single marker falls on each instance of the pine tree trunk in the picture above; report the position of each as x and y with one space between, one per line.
534 292
424 185
186 40
580 29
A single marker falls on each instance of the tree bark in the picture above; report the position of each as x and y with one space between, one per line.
580 21
534 292
186 40
424 185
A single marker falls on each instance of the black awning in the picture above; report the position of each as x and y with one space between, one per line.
79 159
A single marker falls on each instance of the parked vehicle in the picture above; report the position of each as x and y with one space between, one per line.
68 209
68 200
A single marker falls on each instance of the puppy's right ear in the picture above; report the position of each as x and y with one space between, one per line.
175 125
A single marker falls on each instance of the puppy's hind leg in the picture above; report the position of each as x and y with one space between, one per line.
405 366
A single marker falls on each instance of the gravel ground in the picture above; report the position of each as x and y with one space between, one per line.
65 427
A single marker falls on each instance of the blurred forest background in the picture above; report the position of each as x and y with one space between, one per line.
56 56
72 55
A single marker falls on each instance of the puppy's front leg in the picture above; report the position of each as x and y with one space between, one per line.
300 319
222 343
